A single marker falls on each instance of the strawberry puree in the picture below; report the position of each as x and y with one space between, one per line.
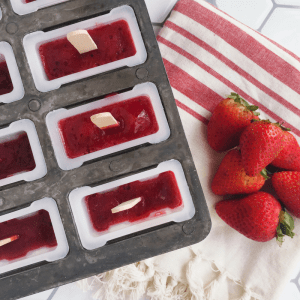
16 156
81 136
34 232
6 85
158 193
114 42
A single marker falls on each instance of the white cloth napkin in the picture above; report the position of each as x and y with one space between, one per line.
208 55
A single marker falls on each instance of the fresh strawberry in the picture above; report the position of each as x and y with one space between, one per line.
289 157
258 217
231 177
287 187
228 120
260 144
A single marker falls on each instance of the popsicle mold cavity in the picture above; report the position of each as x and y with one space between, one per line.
157 195
11 86
76 139
80 136
32 232
54 61
165 198
23 7
41 236
113 41
21 155
6 85
16 155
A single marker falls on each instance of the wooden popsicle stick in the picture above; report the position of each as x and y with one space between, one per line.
126 205
104 120
82 41
9 240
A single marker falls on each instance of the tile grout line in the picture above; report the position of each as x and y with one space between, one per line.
296 281
288 6
52 294
266 18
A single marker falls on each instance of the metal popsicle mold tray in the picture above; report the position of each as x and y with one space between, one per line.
94 173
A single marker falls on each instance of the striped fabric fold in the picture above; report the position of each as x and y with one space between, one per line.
207 55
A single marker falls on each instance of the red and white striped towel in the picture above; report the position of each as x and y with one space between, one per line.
208 55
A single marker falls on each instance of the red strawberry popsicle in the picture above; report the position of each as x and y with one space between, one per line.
16 156
6 85
34 232
157 194
81 136
114 42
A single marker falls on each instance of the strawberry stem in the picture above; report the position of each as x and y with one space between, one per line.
285 226
238 99
264 173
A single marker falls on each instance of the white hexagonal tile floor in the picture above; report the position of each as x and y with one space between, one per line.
159 9
251 13
288 2
286 33
290 293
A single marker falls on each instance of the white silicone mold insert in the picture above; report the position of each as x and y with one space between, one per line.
22 8
45 253
33 41
7 54
144 89
91 239
11 132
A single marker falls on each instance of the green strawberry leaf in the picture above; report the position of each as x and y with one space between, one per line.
252 107
281 126
264 173
238 99
267 121
285 226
